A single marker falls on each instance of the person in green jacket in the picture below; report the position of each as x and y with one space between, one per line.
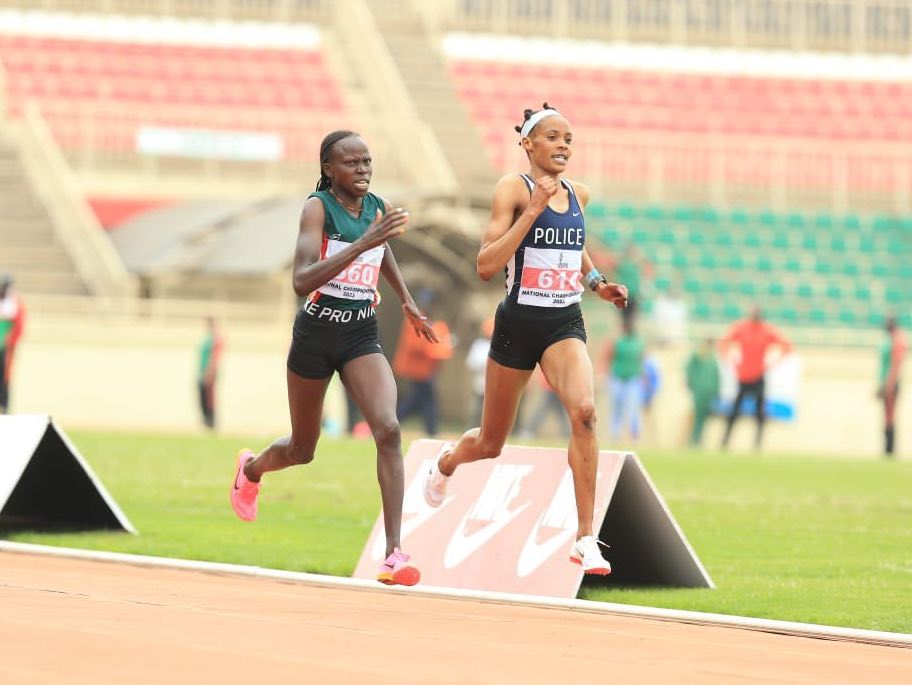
624 361
703 383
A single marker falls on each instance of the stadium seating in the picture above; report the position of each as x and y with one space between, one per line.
804 269
696 106
99 93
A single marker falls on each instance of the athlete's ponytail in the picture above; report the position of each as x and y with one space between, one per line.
325 148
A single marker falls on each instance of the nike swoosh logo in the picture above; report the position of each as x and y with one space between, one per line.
463 546
576 213
413 494
534 555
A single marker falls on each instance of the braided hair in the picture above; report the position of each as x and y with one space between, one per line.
325 148
527 114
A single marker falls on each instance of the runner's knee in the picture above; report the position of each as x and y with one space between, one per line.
387 435
583 416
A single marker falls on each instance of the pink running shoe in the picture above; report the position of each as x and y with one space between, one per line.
397 570
244 492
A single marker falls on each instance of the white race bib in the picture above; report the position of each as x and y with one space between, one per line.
357 281
551 278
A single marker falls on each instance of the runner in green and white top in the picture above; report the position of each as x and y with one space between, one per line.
341 252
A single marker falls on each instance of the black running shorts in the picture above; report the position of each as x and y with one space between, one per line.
521 336
325 339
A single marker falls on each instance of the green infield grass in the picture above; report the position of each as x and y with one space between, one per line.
801 539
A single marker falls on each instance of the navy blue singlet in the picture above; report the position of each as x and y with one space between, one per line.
545 271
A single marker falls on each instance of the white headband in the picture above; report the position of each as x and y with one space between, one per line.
535 118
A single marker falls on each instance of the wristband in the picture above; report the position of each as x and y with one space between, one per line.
592 276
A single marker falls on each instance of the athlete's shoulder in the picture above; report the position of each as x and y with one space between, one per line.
581 190
381 202
313 211
511 186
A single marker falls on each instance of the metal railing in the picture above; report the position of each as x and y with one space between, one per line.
732 170
845 25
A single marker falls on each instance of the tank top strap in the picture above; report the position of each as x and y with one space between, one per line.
530 184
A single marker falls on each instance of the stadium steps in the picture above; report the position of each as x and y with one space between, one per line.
424 71
29 247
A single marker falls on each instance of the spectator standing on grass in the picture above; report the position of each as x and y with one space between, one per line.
749 341
549 403
12 321
632 270
210 357
892 354
419 361
623 359
476 362
703 382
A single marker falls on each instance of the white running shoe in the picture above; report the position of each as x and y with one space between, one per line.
435 483
587 554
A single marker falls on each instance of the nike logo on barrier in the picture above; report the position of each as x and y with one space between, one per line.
412 503
462 546
492 507
560 514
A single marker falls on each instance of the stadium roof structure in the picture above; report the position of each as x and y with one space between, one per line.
213 237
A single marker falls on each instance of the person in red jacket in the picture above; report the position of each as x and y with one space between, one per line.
419 361
12 320
754 338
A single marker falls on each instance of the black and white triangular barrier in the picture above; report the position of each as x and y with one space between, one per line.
45 484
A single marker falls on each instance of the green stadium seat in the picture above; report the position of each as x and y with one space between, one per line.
793 265
764 264
847 317
684 213
753 239
748 288
655 213
735 261
597 211
837 242
739 217
696 238
850 268
824 221
804 290
708 260
851 222
775 289
863 292
809 241
880 270
767 218
817 316
721 287
692 286
679 260
834 291
667 236
610 236
895 295
722 239
627 211
796 220
732 310
781 240
702 310
823 266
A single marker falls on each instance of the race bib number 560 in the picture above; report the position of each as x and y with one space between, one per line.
357 281
551 278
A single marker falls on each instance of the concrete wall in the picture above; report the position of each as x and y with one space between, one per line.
129 375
